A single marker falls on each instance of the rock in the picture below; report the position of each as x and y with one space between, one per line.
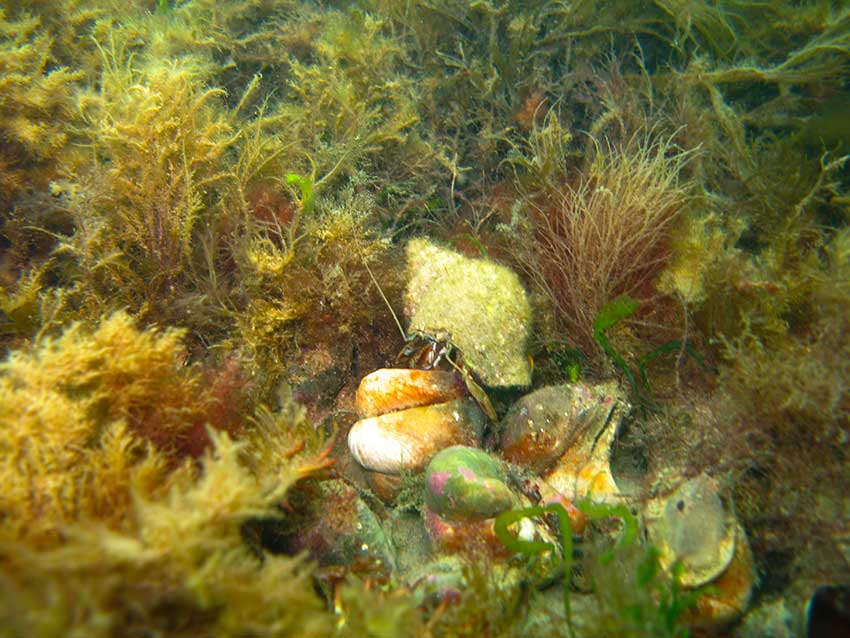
480 303
465 488
438 581
771 619
336 527
485 589
466 483
470 536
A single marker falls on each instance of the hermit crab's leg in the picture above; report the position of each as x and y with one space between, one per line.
476 392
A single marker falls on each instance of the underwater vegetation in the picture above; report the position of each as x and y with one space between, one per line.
94 433
194 196
609 234
37 100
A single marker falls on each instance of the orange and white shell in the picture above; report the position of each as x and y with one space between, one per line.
409 416
395 389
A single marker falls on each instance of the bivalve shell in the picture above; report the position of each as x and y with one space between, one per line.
691 525
386 486
694 527
728 595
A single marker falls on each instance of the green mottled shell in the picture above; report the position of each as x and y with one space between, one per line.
464 482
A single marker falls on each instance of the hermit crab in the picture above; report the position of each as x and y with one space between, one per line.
435 398
408 414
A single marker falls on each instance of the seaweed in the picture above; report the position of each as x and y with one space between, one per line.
485 606
158 141
635 597
305 278
365 610
613 313
604 235
305 185
87 416
37 102
649 602
531 548
609 315
567 360
177 565
96 485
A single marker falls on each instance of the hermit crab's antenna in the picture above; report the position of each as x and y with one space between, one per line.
386 301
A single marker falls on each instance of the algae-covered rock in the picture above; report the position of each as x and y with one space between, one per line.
465 482
480 303
336 527
774 618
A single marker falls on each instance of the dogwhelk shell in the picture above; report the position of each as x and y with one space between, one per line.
565 433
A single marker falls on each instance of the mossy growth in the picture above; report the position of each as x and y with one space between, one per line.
487 605
103 522
37 102
368 611
603 233
159 142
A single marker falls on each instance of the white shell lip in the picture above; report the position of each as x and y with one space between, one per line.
375 450
407 439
